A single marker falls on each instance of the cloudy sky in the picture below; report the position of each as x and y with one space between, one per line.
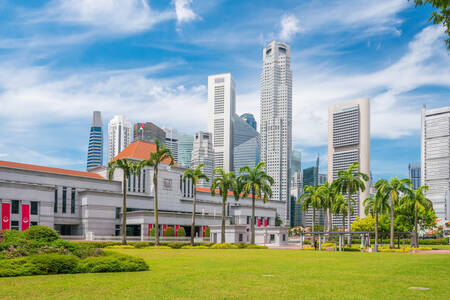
149 60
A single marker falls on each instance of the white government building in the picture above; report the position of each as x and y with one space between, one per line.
86 204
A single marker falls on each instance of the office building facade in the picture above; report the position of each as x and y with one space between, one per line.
171 141
250 119
246 144
414 174
203 153
148 132
276 120
95 148
119 135
185 147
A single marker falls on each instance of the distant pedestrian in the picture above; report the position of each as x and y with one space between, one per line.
315 245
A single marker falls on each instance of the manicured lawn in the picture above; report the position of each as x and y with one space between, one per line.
231 274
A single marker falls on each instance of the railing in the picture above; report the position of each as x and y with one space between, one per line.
134 238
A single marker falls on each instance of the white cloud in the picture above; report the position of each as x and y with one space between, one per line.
184 11
290 26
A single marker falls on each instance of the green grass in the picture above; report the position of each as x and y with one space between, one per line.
232 274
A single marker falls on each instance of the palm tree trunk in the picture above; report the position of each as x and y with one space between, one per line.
349 238
416 235
391 239
155 211
193 215
314 225
124 209
343 227
222 236
252 240
376 232
329 219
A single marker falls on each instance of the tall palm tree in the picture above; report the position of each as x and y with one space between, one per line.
224 182
194 175
376 205
349 182
329 193
128 167
417 201
393 189
160 155
340 207
258 183
312 198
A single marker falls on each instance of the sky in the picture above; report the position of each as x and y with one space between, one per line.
149 60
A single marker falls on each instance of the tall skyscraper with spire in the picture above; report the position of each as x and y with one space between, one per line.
276 120
95 148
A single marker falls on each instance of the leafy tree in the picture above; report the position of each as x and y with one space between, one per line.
349 182
377 205
311 198
393 189
128 167
257 183
195 175
181 232
340 207
440 15
278 221
364 224
169 231
329 193
162 154
224 182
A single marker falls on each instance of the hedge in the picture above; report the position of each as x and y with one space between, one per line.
112 263
55 263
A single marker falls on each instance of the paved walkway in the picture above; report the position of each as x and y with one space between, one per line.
440 251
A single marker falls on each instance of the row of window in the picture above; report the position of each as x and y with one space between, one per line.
64 200
15 225
15 207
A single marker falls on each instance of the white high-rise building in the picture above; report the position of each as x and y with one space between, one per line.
172 141
221 108
276 120
349 142
435 158
203 153
119 135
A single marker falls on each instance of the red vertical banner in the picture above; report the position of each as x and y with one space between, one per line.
164 229
150 226
203 231
25 216
176 229
251 224
265 223
259 222
5 216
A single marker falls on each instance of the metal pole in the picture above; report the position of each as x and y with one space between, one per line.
301 241
340 242
320 242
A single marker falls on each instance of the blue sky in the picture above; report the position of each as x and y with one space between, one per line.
149 60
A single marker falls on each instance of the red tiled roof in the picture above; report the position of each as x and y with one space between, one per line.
140 150
14 165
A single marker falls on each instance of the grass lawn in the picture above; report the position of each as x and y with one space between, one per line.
250 274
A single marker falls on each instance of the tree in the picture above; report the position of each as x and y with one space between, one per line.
258 183
376 205
195 175
341 207
128 167
329 193
441 15
364 224
392 190
417 202
162 154
349 182
224 182
312 198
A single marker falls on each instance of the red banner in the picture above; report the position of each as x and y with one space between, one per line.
265 223
150 226
25 216
203 231
176 229
259 222
164 229
5 215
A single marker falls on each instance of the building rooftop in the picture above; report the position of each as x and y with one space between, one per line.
139 150
29 167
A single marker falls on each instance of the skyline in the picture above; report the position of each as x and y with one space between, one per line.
59 64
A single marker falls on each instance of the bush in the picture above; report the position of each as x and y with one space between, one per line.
70 246
181 232
152 231
169 231
96 244
207 231
112 263
224 246
120 247
194 247
157 247
176 245
139 245
41 234
11 237
18 267
84 252
55 263
253 246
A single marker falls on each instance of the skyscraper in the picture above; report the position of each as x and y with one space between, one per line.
250 119
276 120
203 153
349 142
414 174
171 141
148 132
185 146
297 214
221 108
435 158
246 144
119 135
95 148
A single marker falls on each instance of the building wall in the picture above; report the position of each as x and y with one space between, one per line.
95 148
119 135
171 142
185 147
149 133
414 174
246 145
203 153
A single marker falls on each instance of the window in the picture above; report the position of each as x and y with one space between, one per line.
143 181
134 181
272 237
33 223
167 183
15 207
248 219
34 208
72 201
15 225
55 205
118 212
117 231
64 199
284 238
241 237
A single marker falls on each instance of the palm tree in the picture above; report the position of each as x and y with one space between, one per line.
195 175
376 205
224 182
392 190
340 206
127 167
329 193
417 201
349 182
312 197
160 155
258 183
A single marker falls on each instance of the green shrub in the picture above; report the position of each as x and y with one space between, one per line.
158 247
169 231
224 246
253 246
18 267
181 232
176 245
120 247
70 246
194 247
55 263
96 244
112 263
84 252
152 231
207 231
41 233
11 237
